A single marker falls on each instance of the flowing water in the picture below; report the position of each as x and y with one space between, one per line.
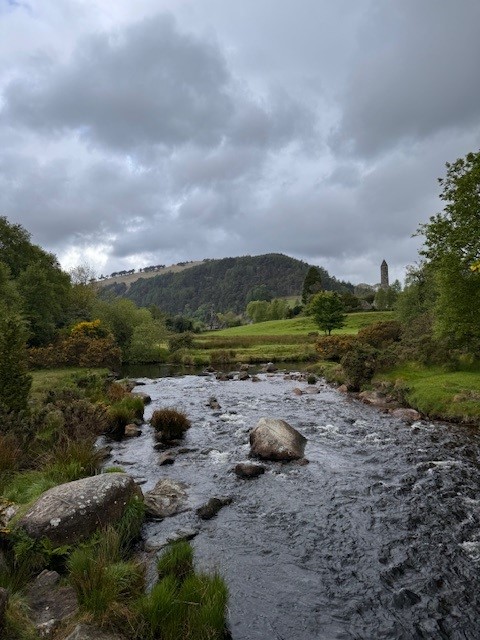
378 537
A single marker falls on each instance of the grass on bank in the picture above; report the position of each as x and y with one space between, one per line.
448 395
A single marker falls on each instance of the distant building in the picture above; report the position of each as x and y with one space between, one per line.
384 275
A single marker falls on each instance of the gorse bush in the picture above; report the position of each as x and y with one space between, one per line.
171 424
359 365
381 334
334 347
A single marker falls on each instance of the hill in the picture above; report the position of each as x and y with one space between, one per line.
132 276
227 284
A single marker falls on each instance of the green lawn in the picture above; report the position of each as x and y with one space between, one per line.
302 325
451 395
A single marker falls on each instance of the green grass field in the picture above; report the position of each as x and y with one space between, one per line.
449 395
277 340
45 380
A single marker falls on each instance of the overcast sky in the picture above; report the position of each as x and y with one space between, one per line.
158 131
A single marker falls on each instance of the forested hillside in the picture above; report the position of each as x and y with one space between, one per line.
226 285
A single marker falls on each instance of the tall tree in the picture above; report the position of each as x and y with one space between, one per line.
312 284
452 248
15 381
327 310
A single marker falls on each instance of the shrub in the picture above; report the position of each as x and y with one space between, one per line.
170 422
222 356
359 365
334 347
311 379
180 341
381 334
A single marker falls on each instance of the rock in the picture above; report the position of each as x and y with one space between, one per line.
312 390
409 415
7 511
255 379
302 462
275 439
343 388
244 367
166 499
243 375
90 632
144 396
162 540
247 470
50 604
104 452
166 458
212 507
213 403
132 431
270 367
3 606
374 398
73 511
297 391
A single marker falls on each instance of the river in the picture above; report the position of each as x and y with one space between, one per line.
378 537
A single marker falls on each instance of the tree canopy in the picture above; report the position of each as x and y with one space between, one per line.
327 310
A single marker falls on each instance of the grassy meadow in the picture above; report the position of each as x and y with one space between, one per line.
276 340
436 392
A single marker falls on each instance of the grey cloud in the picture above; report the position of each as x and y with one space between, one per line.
148 84
415 74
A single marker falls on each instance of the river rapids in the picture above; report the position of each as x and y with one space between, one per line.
378 537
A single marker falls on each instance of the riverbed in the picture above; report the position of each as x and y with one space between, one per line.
377 537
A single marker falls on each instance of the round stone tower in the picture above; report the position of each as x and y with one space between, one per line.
384 275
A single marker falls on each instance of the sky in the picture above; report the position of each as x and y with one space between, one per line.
160 131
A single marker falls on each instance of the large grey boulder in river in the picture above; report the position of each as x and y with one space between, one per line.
73 511
275 439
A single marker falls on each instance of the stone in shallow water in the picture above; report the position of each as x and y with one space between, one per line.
212 507
248 470
166 499
275 439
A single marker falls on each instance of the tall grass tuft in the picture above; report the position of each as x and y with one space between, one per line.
176 561
170 423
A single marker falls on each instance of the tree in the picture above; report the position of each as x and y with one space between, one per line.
15 381
312 284
327 310
452 249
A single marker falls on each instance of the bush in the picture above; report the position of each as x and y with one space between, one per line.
334 347
381 334
170 422
180 341
222 356
359 366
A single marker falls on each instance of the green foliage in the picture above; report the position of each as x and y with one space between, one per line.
452 250
15 382
180 341
334 347
183 605
359 365
311 285
101 579
225 285
171 423
176 561
145 341
381 334
327 310
385 299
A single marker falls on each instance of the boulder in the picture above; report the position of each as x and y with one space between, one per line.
7 511
270 367
49 603
166 499
247 470
91 632
213 403
132 431
166 458
275 439
212 507
243 375
297 391
73 511
144 396
409 415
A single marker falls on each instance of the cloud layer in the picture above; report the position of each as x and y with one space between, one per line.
139 135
